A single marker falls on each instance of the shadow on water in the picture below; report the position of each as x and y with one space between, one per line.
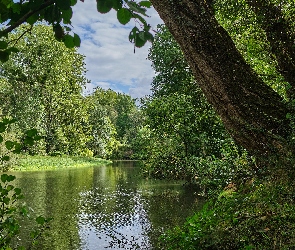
104 207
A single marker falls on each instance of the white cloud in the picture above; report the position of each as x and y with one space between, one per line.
110 59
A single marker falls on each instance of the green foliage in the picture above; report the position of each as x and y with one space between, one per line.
245 30
58 14
10 209
114 120
256 216
27 162
188 139
42 86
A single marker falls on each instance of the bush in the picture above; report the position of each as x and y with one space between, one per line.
209 172
260 216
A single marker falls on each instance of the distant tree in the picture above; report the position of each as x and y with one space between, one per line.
42 85
255 115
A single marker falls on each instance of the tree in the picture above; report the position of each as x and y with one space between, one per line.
177 106
253 113
114 120
42 86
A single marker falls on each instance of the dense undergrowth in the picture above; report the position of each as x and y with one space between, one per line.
257 215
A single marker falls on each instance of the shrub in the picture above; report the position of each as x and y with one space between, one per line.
260 216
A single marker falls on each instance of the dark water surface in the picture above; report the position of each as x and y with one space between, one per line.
104 207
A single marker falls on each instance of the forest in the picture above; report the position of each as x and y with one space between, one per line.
220 116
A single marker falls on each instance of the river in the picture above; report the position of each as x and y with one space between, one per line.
103 207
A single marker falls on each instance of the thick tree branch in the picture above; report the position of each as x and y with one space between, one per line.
26 16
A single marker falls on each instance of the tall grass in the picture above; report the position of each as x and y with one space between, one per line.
27 162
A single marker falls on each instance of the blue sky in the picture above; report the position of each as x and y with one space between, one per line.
110 59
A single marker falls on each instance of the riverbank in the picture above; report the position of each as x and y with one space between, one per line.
30 163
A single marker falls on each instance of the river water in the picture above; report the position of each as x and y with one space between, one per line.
103 207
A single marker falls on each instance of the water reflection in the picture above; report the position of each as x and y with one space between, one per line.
109 207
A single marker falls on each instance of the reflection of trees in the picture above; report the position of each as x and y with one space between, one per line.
168 206
104 206
114 209
55 194
132 213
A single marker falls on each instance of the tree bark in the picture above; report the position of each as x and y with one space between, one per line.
252 112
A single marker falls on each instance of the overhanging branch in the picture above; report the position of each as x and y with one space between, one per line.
26 16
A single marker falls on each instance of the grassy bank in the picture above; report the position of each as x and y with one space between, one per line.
27 162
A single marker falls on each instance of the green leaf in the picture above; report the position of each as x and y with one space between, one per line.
67 15
69 41
6 200
17 191
64 4
104 6
34 4
117 4
140 39
143 21
4 56
32 132
3 45
2 127
77 40
149 37
17 148
135 7
40 220
9 144
12 49
132 34
1 138
147 4
5 158
73 2
29 141
4 177
124 15
33 18
10 178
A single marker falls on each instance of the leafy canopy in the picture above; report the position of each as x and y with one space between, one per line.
58 14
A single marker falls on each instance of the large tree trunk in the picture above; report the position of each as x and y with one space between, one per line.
252 112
